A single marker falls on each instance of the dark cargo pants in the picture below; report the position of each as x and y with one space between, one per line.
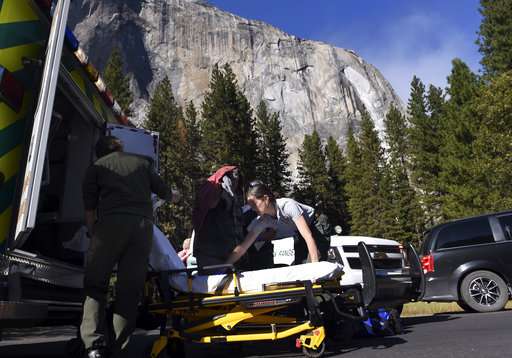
124 240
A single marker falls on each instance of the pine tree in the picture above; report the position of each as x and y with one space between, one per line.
424 146
372 169
491 169
117 82
355 192
336 171
389 223
312 187
459 131
364 176
193 143
164 116
190 165
272 152
303 186
228 126
436 109
417 110
495 36
403 217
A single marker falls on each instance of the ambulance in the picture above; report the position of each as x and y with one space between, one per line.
54 105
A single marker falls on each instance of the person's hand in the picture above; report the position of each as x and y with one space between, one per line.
176 196
184 255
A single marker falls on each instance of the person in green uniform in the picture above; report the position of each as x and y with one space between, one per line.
119 216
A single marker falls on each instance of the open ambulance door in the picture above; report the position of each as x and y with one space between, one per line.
42 118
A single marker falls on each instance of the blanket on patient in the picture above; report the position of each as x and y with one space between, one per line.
163 257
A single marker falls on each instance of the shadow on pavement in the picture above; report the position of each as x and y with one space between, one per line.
443 317
287 349
37 350
376 343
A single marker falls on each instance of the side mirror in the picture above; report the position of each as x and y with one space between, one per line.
338 230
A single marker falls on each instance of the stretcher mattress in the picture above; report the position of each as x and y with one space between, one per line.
254 281
163 257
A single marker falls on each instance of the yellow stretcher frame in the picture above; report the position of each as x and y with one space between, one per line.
239 317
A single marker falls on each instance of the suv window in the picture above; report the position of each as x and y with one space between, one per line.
425 245
506 224
465 233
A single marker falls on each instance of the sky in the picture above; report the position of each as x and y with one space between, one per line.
401 38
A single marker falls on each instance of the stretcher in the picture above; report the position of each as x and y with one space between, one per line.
271 305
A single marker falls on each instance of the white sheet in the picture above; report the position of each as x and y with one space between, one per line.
163 257
253 281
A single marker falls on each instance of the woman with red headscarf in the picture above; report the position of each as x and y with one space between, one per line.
217 217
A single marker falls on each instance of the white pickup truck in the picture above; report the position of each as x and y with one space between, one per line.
396 282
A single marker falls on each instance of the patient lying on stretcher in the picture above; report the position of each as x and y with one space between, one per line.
163 257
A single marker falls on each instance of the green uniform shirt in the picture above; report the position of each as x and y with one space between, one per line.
122 183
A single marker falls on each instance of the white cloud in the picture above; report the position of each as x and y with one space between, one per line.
418 45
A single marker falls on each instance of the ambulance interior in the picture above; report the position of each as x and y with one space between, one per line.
60 215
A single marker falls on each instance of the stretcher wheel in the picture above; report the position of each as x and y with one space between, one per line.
314 353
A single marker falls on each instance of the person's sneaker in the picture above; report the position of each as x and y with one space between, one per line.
96 353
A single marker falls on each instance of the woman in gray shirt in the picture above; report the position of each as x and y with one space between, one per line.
286 216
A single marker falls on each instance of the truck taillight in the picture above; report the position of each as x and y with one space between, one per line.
11 90
427 263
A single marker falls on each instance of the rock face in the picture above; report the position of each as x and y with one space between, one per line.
311 84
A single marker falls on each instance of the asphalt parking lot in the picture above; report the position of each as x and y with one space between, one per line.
445 335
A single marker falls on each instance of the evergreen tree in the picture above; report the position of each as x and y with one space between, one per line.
272 152
424 144
491 170
190 165
312 187
403 217
436 109
364 179
495 36
117 82
228 126
389 220
164 116
193 143
459 130
356 193
336 171
462 85
372 161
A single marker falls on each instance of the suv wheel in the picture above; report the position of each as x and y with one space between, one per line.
465 307
484 291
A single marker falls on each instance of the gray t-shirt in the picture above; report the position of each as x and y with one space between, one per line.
287 210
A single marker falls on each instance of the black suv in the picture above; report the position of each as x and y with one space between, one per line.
470 261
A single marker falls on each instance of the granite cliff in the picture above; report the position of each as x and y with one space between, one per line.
311 84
